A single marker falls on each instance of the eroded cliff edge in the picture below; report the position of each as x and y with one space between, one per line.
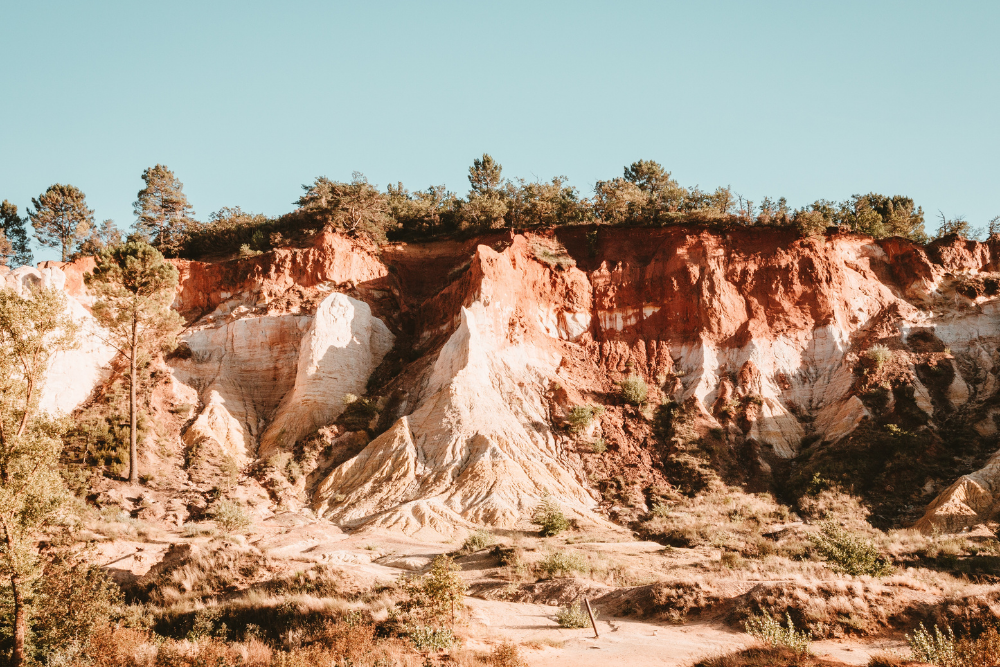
469 356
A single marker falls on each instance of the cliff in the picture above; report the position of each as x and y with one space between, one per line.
473 353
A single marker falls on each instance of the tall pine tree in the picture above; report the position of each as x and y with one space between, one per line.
16 231
61 218
163 214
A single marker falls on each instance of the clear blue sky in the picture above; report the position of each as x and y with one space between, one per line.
246 101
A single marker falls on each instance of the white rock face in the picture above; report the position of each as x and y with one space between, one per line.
242 373
341 349
476 450
72 374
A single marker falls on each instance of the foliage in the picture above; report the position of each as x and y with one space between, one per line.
16 235
135 286
770 631
573 616
32 329
357 208
849 552
231 228
478 541
879 355
230 516
562 564
581 416
163 214
599 446
505 654
61 218
358 413
633 390
549 517
439 593
958 225
73 600
429 638
943 649
100 237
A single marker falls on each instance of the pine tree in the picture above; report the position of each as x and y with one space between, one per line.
32 329
163 214
16 232
99 238
61 218
135 286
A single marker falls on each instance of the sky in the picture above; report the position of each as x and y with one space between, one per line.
246 101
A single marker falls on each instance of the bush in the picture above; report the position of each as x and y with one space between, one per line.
479 540
599 446
549 517
879 355
573 616
230 516
561 563
505 655
633 390
427 638
439 593
581 416
942 648
770 631
359 412
850 553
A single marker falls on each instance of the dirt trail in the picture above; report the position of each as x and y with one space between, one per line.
624 641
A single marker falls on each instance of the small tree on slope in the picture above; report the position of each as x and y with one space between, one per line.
135 287
32 329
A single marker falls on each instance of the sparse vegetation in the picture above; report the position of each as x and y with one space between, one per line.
549 517
880 355
581 416
633 390
573 616
769 630
230 516
561 564
850 552
479 540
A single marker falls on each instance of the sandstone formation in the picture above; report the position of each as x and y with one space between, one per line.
476 350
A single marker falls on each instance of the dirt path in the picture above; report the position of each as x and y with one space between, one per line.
622 641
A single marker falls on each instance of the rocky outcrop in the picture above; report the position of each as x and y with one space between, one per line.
72 374
759 329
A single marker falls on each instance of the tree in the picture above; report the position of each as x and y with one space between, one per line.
100 237
958 225
162 211
135 286
486 205
880 216
357 208
484 175
61 218
32 329
16 232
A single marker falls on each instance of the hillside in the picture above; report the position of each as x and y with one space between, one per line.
406 396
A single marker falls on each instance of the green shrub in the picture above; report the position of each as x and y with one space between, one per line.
504 655
573 616
428 638
562 563
549 517
230 516
438 594
581 416
769 630
879 355
599 446
937 649
478 540
633 390
850 553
